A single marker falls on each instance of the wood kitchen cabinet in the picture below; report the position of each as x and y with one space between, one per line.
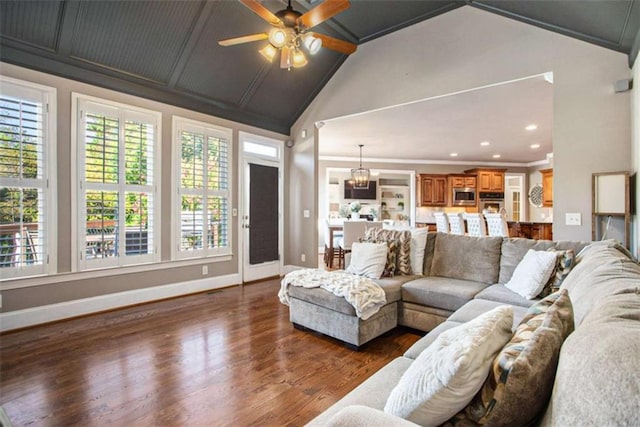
461 181
433 190
547 187
489 180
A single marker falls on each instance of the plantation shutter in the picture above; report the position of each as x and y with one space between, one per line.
117 186
203 190
25 211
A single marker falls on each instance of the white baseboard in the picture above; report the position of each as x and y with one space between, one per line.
52 312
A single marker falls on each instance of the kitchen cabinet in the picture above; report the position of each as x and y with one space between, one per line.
461 181
433 190
547 187
489 180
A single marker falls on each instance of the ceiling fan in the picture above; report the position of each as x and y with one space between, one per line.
290 34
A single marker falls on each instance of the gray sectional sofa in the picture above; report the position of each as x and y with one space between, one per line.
598 375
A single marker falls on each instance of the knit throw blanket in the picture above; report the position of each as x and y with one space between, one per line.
365 295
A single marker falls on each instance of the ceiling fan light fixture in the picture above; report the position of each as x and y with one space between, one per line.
269 52
299 60
360 175
313 44
278 37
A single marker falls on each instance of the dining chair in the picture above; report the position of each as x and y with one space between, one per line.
442 222
497 224
352 231
456 223
476 225
332 238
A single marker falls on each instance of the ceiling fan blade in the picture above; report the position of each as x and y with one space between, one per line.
336 44
322 12
261 11
243 39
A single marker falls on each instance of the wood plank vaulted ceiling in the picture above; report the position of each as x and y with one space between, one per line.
168 51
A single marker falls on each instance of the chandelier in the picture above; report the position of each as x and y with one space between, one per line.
360 175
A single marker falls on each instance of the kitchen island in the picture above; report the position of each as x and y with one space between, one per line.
531 230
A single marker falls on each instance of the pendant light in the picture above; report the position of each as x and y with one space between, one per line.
360 175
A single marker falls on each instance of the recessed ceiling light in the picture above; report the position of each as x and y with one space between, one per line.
496 156
534 146
485 143
532 127
454 154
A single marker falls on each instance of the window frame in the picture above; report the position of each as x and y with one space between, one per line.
124 112
180 124
48 96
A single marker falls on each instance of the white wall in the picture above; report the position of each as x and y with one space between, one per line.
635 149
468 48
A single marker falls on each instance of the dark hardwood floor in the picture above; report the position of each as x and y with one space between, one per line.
222 358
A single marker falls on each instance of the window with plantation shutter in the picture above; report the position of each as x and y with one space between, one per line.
202 190
118 158
27 159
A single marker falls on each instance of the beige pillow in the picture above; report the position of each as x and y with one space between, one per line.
446 375
532 273
368 259
521 379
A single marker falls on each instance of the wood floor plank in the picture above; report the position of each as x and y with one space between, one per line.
223 358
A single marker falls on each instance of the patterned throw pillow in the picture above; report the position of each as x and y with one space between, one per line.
522 374
564 264
403 239
392 255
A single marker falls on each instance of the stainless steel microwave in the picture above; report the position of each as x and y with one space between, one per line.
464 197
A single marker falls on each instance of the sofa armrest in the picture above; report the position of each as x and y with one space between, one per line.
364 416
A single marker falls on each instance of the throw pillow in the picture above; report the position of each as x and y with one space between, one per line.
522 375
446 375
532 273
403 259
564 263
418 244
392 255
368 259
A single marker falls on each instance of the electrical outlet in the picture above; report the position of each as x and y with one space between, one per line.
303 258
234 212
572 219
306 213
0 300
205 270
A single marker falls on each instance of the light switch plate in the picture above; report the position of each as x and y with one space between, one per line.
573 219
234 212
306 213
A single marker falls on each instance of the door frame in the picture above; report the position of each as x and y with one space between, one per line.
524 194
243 236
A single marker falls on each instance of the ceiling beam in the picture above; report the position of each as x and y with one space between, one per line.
191 42
66 25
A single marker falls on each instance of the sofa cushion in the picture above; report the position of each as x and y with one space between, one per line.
476 307
467 258
522 374
600 272
500 293
372 393
513 250
440 292
363 416
598 375
448 373
323 298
